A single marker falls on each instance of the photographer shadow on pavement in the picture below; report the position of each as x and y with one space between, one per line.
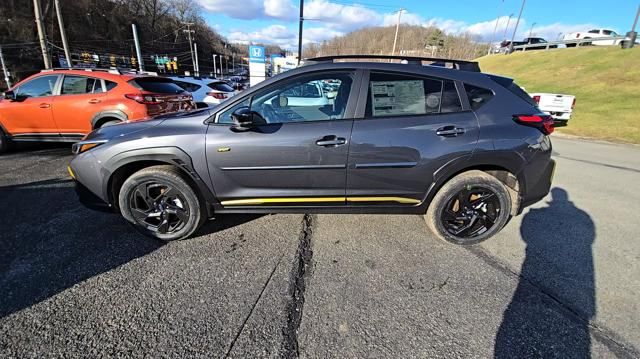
555 298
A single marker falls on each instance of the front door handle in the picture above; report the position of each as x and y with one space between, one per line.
449 131
94 100
45 105
331 141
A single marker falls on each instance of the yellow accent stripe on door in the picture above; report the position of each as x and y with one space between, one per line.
250 201
384 199
259 201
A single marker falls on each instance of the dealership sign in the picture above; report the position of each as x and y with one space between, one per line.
256 64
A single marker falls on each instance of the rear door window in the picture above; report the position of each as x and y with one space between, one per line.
393 95
78 85
220 86
157 85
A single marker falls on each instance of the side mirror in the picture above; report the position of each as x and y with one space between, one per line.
331 95
9 95
242 119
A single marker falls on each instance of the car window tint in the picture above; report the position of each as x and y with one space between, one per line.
304 99
76 85
110 85
393 95
188 86
157 85
450 99
38 87
225 117
478 96
594 31
220 86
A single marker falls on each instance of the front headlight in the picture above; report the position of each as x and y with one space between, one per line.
84 146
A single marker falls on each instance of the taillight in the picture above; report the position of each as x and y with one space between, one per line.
536 99
217 95
542 122
573 105
147 99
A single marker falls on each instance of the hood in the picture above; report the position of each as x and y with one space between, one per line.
121 129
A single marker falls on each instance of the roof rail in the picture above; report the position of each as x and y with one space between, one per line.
112 70
412 60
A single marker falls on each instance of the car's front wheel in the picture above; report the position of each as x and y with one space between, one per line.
160 203
469 209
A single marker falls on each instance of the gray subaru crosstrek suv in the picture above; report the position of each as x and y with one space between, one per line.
341 134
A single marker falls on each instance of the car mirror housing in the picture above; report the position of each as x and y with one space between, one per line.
9 95
242 118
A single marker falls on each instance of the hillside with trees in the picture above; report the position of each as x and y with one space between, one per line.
412 40
99 31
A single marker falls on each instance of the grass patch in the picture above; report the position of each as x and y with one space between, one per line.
605 81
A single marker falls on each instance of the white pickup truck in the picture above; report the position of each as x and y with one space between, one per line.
595 33
558 106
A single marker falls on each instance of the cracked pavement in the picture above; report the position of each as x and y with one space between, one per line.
559 281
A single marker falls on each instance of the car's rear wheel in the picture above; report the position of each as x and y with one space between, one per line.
160 203
5 142
469 209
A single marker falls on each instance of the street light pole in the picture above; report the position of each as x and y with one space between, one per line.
493 36
65 44
513 37
531 30
41 34
215 69
504 36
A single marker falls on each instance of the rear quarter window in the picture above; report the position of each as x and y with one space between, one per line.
157 85
220 86
478 96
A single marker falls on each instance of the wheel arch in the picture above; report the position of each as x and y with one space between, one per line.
506 170
101 116
125 164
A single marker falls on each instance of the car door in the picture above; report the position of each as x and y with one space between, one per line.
30 111
296 157
411 126
79 100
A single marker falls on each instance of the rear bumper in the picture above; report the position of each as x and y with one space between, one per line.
540 188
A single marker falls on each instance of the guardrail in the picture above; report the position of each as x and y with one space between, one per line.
569 43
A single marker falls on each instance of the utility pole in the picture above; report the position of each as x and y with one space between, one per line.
137 43
513 37
233 58
493 36
41 34
62 33
633 35
300 31
4 70
189 31
215 70
195 55
395 39
221 73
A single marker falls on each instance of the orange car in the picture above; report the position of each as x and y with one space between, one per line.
64 105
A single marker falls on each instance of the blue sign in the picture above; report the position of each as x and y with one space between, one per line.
256 54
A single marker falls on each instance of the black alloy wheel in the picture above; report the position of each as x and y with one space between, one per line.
471 212
159 207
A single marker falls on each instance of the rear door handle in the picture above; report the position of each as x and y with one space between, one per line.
331 141
45 105
94 100
449 131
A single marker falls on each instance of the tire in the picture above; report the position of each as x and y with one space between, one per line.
160 204
5 142
446 210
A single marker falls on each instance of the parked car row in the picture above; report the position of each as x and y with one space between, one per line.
63 105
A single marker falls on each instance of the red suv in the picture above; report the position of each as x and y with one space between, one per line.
64 105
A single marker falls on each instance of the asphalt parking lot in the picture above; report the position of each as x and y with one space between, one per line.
562 280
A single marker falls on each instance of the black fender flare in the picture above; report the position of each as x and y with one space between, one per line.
119 114
169 155
510 161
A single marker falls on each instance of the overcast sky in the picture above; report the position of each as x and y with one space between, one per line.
276 21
